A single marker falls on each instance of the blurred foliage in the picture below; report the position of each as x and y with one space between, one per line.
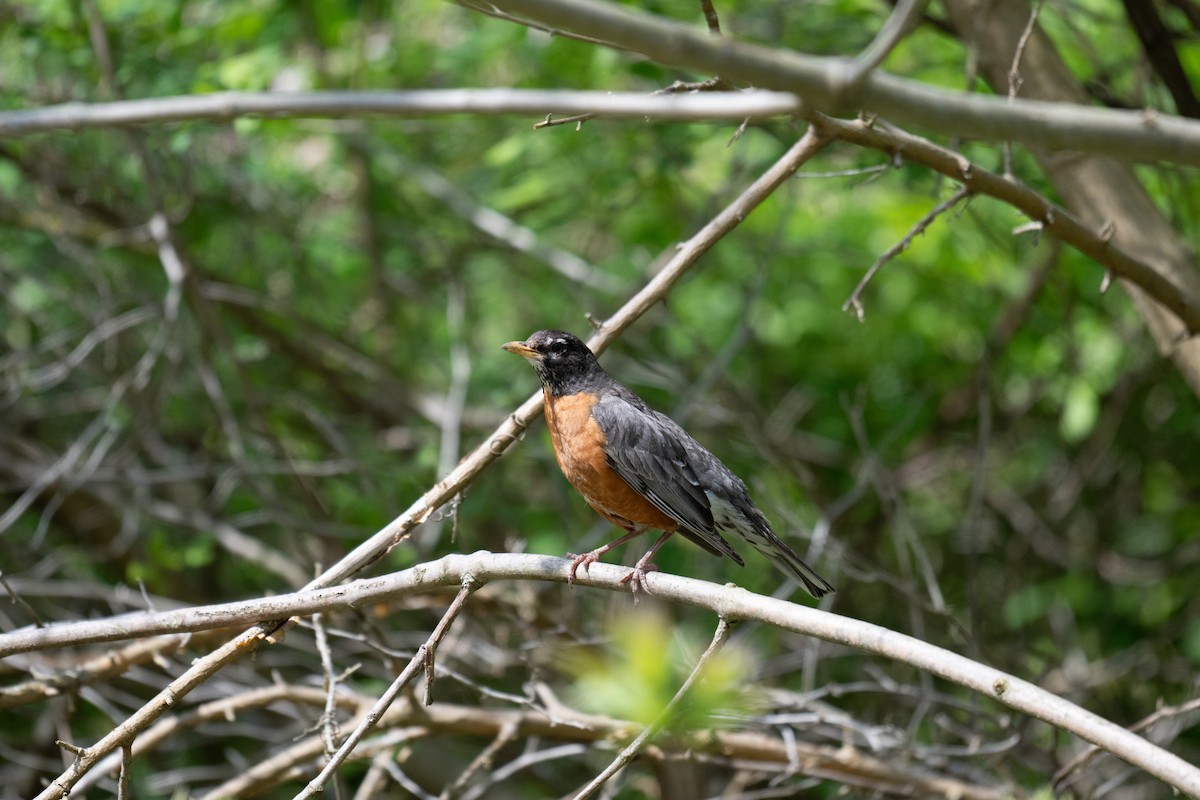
643 665
1007 466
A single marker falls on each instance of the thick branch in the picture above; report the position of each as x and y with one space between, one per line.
730 602
826 85
823 83
226 106
1159 48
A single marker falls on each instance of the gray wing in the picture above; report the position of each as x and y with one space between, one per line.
652 454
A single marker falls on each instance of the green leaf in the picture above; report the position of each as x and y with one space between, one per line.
1081 408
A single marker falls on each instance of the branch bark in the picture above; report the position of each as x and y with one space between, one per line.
559 722
728 601
798 81
826 84
227 106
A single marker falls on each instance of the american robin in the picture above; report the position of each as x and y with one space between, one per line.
641 471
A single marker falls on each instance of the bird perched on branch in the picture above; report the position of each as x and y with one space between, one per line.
641 471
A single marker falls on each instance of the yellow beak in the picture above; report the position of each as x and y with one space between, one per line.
523 350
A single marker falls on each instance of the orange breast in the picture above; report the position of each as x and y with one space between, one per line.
579 447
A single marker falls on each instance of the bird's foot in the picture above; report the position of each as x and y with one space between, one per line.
585 560
637 579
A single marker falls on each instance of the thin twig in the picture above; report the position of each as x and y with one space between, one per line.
407 783
846 173
373 782
484 760
1014 74
1091 751
329 724
720 636
20 602
508 231
855 300
123 777
717 83
423 660
577 120
455 402
489 10
524 762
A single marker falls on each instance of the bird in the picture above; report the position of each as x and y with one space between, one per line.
640 470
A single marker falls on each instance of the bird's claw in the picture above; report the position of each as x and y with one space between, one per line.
636 577
637 580
585 560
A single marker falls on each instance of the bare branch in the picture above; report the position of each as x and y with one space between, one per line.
1053 218
797 81
1014 74
729 601
423 660
226 106
820 82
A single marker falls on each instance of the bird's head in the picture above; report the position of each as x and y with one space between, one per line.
564 363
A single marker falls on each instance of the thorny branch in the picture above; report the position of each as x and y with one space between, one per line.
1049 217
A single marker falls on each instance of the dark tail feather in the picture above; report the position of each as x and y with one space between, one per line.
786 560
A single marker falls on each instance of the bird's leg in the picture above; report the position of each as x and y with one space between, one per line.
637 576
591 558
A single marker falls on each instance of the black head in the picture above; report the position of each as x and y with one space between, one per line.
564 363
